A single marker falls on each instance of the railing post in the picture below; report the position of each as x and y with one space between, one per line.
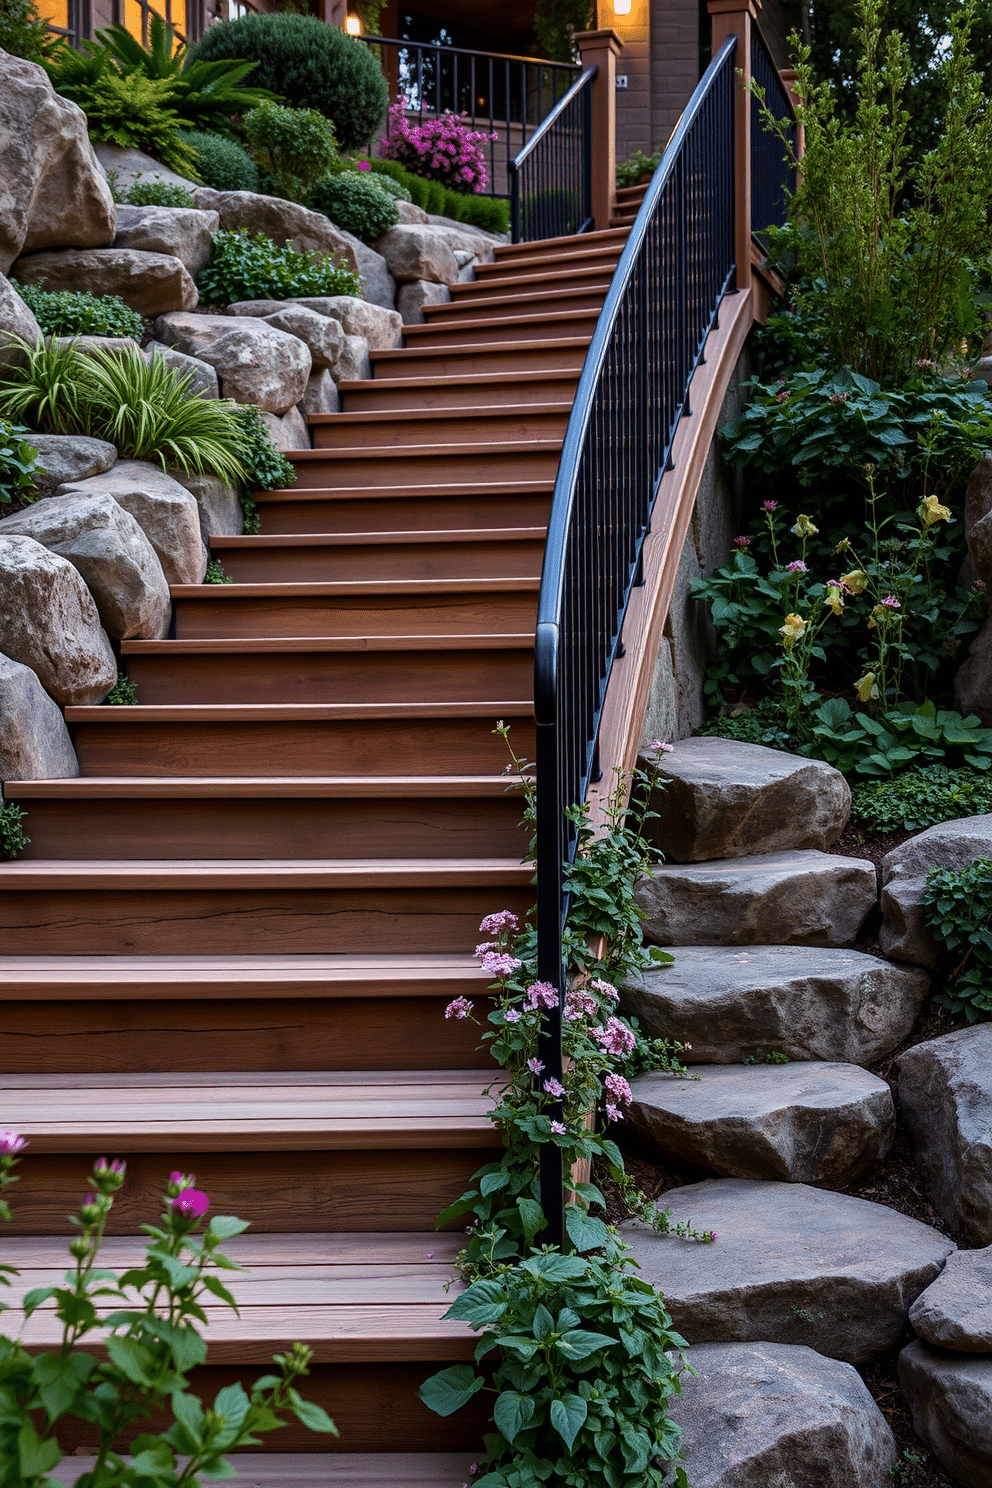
735 18
601 49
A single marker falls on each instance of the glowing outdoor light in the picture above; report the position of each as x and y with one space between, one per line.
621 7
353 25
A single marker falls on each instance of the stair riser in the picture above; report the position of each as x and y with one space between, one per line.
250 922
399 514
543 328
549 358
140 1037
273 827
484 306
333 677
587 266
369 398
552 252
424 468
281 1192
306 565
421 434
374 1406
576 277
496 613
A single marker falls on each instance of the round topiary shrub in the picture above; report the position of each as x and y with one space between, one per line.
310 65
356 203
221 163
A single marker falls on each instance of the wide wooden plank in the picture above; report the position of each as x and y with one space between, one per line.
362 787
235 873
259 1251
262 713
324 1470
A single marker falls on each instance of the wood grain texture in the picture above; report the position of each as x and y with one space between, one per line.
317 511
347 1470
426 611
565 353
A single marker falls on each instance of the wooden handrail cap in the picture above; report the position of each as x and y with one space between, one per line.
728 7
592 39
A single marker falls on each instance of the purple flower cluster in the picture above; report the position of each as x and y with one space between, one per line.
444 149
615 1038
618 1095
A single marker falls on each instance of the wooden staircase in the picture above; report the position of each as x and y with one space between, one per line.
230 944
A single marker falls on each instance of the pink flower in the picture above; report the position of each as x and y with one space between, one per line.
512 1015
364 165
542 994
535 1066
890 602
557 1128
661 748
553 1087
711 1235
497 964
619 1089
741 543
485 946
11 1142
459 1008
615 1038
494 924
797 567
579 1004
782 397
102 1166
191 1203
607 989
769 506
614 1113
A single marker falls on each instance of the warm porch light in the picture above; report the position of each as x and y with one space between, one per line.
353 25
621 7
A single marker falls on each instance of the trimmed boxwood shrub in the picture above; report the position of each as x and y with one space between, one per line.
490 213
220 162
310 65
356 203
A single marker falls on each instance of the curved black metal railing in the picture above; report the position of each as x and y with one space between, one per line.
773 175
551 178
678 262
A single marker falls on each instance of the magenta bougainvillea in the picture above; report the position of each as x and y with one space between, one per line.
444 149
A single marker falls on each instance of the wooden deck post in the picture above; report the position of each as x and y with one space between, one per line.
735 18
601 49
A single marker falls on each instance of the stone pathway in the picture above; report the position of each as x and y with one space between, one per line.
764 920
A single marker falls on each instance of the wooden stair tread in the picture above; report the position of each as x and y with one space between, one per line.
453 380
595 238
516 297
433 415
318 589
239 873
552 343
413 333
328 1470
250 645
332 786
258 540
430 449
292 712
562 273
491 490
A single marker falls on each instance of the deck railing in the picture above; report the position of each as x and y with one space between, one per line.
773 176
551 178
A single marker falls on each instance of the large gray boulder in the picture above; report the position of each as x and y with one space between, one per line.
255 362
977 510
808 1003
114 556
218 503
951 1404
354 363
945 1097
773 1415
378 284
151 283
973 679
952 844
418 253
789 898
289 432
183 232
382 329
134 165
819 1123
791 1264
34 741
282 221
318 331
412 298
955 1311
16 320
69 457
724 799
203 381
321 396
49 622
164 510
52 190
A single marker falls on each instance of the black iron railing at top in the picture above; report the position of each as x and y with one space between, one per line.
498 95
773 175
677 263
551 178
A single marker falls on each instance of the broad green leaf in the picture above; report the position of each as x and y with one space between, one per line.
483 1302
585 1231
314 1417
134 1361
567 1416
450 1389
512 1412
34 1454
578 1344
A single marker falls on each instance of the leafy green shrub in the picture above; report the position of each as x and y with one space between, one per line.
957 907
905 734
587 1364
490 213
18 463
12 838
215 573
221 163
556 23
762 724
631 172
293 148
23 32
310 65
394 189
126 109
76 313
204 95
918 798
253 268
356 203
265 467
147 191
123 694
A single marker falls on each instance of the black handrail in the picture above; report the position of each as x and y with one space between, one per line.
678 262
497 93
551 178
773 174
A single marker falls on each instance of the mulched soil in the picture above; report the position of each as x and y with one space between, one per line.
896 1184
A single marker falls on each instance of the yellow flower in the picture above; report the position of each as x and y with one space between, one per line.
803 527
931 511
855 581
865 688
793 629
834 599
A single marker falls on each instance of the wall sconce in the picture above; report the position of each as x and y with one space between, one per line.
353 25
621 7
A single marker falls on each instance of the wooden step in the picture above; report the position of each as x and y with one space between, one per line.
432 464
380 1150
318 558
242 1013
494 390
390 607
528 264
565 297
538 326
547 277
480 508
563 354
416 428
557 249
634 193
345 1470
438 669
290 739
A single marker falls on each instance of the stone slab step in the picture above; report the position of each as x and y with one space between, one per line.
789 898
950 1399
955 1311
791 1264
821 1003
818 1123
327 1470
